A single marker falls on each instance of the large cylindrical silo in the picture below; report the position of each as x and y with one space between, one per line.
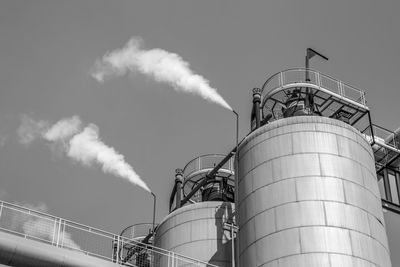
197 231
308 196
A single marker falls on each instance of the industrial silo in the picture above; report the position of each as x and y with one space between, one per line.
202 210
307 186
133 247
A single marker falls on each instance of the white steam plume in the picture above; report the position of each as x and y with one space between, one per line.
82 146
162 65
30 129
86 147
63 129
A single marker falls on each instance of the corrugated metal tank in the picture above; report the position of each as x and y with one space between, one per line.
308 196
197 231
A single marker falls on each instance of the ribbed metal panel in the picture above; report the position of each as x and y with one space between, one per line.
197 231
392 221
308 196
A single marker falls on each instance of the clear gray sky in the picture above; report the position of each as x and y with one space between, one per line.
48 47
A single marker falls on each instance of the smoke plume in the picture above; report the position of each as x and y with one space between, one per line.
83 146
162 65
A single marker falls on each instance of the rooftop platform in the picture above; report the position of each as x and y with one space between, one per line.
327 96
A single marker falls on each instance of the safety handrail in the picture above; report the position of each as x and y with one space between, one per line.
316 78
59 232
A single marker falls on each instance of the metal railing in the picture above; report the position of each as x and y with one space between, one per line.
137 231
386 136
195 171
324 81
207 162
39 226
385 145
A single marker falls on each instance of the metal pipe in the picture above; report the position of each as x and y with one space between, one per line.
219 165
236 178
397 175
178 182
256 105
237 144
307 66
214 171
233 245
154 210
309 54
209 176
171 197
372 128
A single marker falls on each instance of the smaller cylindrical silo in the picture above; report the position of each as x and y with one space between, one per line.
200 225
197 231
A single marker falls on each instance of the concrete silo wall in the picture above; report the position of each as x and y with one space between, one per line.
308 196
